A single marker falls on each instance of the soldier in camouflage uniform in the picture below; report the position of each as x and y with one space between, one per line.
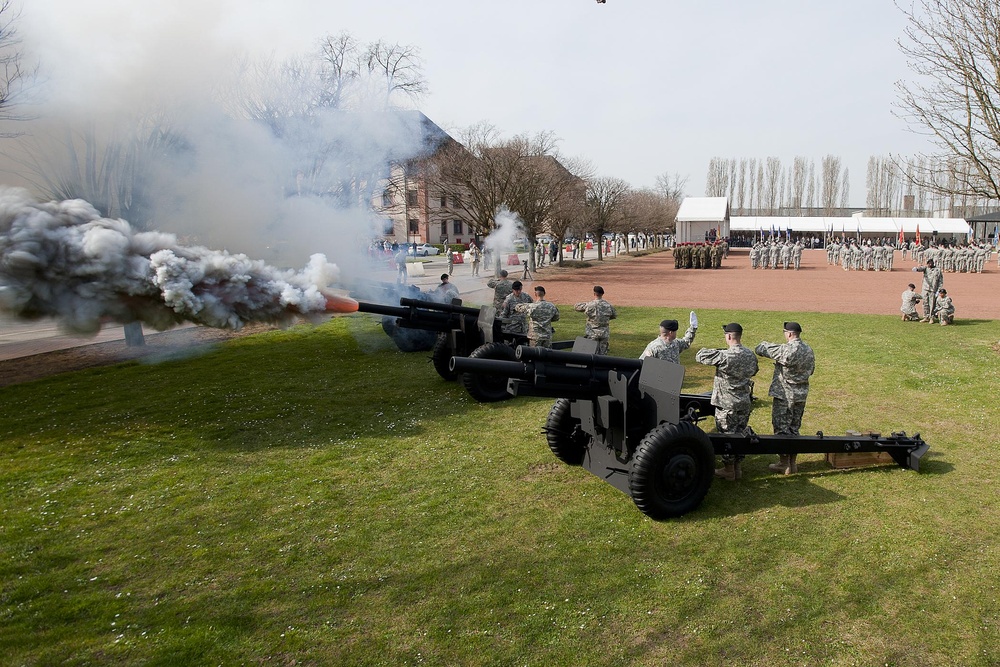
541 314
909 307
599 315
731 390
933 281
944 310
667 345
501 288
794 362
514 322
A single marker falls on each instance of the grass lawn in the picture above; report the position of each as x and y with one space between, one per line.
315 497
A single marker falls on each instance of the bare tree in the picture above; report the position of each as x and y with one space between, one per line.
15 75
953 47
606 201
671 186
717 179
648 212
543 188
772 185
830 184
397 68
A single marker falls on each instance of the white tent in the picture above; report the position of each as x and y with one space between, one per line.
850 226
701 216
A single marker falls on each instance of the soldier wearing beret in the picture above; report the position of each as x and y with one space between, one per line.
731 390
667 345
794 362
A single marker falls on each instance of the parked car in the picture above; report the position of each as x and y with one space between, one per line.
425 249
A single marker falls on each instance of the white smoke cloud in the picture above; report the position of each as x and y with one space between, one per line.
225 182
63 260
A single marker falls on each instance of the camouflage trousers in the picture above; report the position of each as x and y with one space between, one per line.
930 300
731 421
786 418
539 342
602 345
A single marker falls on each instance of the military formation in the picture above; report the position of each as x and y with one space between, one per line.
700 255
776 254
878 255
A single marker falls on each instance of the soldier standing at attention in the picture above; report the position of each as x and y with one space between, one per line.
514 322
794 362
933 281
667 345
501 288
909 307
734 366
541 314
599 315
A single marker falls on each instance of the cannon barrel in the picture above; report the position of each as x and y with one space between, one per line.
413 317
539 378
441 307
596 361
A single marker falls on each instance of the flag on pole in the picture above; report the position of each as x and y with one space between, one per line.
902 239
918 233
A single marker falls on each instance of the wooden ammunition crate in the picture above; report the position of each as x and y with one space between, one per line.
857 459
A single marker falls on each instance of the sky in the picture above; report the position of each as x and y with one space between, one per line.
637 87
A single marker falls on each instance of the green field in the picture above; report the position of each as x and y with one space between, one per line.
315 497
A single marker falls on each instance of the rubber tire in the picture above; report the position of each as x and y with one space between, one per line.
563 433
488 388
441 356
672 470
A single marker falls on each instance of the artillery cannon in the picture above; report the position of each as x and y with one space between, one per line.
627 422
450 330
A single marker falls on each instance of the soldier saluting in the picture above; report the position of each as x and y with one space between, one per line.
794 362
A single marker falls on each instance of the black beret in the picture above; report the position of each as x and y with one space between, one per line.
669 325
793 326
733 327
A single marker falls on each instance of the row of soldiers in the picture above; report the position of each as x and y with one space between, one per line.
964 258
879 255
776 254
700 255
867 256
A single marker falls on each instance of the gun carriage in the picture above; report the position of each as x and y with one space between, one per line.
627 422
452 330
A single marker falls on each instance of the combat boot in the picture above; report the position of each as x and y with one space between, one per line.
727 471
781 466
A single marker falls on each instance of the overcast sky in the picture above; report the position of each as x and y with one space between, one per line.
638 87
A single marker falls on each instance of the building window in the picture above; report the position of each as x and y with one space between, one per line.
386 199
444 201
414 226
411 197
444 229
457 226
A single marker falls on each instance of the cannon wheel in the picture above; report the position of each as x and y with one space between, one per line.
672 470
565 437
488 388
441 356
